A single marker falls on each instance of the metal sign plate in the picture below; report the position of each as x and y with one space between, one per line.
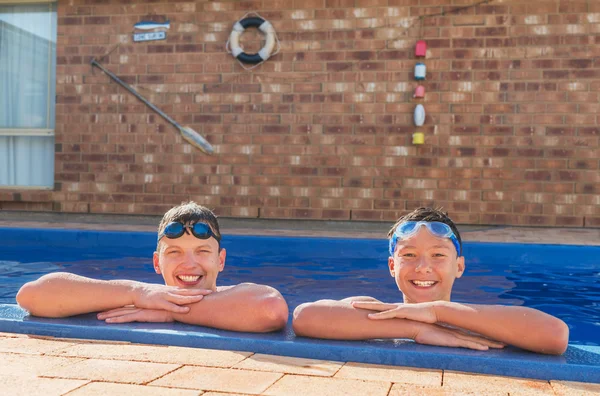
151 36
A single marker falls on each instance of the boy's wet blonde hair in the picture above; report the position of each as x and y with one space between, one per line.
190 213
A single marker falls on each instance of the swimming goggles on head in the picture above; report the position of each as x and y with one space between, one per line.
436 228
176 229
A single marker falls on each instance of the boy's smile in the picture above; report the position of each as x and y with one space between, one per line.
425 267
423 284
188 280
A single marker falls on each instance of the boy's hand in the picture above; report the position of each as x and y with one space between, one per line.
168 298
421 312
133 314
443 336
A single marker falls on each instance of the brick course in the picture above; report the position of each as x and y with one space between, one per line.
322 130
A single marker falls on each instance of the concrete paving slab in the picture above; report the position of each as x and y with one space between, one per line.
30 345
31 365
290 365
156 354
113 371
12 385
109 389
218 379
12 335
488 384
375 372
412 390
292 385
562 236
224 394
290 227
567 388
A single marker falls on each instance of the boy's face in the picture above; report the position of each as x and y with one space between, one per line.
189 262
425 267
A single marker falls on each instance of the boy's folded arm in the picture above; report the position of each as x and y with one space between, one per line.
245 307
523 327
62 294
339 320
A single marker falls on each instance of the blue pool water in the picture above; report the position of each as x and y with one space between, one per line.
561 280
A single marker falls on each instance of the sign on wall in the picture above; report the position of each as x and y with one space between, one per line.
150 36
151 25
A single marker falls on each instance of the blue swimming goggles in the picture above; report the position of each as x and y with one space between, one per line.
176 229
436 228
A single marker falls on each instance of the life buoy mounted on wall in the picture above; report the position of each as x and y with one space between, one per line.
265 52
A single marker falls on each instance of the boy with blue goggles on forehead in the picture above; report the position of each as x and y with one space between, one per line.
425 259
189 257
410 228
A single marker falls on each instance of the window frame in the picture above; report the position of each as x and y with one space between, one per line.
31 131
18 132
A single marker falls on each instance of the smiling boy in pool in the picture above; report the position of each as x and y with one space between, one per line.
189 257
425 260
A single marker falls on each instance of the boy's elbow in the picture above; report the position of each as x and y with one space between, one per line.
25 296
275 313
33 297
560 341
555 340
29 299
299 319
303 319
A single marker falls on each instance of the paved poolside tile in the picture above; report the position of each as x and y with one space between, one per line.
320 386
108 388
488 384
218 379
375 372
31 365
482 233
113 371
12 335
290 365
568 388
157 354
412 390
32 346
563 236
12 385
224 394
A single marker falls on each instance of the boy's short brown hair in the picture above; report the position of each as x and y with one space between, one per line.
427 214
190 213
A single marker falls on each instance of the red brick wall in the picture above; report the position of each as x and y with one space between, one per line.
323 129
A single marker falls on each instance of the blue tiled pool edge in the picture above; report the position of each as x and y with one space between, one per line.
579 363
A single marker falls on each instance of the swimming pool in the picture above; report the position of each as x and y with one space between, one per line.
561 280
